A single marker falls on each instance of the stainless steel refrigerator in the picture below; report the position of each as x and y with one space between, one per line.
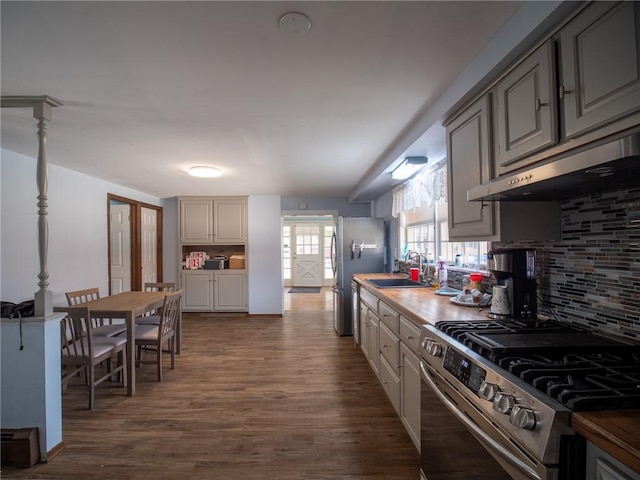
357 247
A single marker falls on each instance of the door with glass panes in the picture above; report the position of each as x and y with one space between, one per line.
307 261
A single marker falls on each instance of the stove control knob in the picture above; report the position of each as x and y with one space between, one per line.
435 349
487 391
425 343
503 403
523 417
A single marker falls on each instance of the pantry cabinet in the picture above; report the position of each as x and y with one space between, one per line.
213 228
600 68
210 220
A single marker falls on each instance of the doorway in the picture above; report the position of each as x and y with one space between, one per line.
135 243
307 250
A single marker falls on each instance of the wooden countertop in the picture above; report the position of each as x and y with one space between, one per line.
615 432
422 305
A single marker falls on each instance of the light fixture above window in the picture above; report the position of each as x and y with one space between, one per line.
205 171
408 167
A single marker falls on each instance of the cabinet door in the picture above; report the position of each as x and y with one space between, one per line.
410 393
390 383
230 221
525 110
230 291
600 52
364 329
196 221
198 290
468 150
374 343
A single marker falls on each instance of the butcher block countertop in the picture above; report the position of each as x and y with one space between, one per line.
615 432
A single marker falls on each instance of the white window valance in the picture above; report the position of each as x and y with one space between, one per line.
425 187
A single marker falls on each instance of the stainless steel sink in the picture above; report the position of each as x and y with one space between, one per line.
396 283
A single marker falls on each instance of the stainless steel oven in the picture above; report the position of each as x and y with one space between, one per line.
497 397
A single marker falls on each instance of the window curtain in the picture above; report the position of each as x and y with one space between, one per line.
425 187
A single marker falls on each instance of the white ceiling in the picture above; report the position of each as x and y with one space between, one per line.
152 88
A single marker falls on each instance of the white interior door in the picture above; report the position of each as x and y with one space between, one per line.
149 245
307 255
120 248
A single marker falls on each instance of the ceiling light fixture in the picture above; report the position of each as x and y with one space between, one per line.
294 24
205 171
408 167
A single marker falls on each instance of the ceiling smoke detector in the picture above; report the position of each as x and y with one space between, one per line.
294 24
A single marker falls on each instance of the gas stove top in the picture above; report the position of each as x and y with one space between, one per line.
580 369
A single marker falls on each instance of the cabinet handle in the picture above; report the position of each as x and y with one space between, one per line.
562 91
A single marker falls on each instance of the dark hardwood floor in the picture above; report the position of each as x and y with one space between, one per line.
251 398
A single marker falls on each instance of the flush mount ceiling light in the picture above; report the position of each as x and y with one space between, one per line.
294 24
204 171
408 167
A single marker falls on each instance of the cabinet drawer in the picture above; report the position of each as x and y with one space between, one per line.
409 333
389 317
390 347
369 298
391 384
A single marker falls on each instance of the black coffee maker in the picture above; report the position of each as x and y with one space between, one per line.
515 268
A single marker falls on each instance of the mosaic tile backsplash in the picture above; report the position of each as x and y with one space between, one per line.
592 276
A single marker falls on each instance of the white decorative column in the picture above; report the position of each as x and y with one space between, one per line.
42 106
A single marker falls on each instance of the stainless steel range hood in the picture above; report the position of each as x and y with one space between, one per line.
611 166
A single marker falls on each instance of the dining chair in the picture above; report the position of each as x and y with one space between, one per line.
157 335
153 318
101 326
83 352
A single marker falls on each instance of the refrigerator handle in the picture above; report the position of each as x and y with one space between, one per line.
334 254
353 249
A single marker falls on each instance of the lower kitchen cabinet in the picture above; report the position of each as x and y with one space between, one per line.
410 393
373 342
197 286
214 291
602 466
390 383
389 341
229 291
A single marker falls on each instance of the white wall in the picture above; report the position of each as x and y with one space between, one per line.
266 287
77 218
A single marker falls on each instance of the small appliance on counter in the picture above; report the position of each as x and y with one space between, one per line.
515 293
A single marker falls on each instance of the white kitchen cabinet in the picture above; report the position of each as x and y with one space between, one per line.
197 286
230 220
410 392
391 340
390 383
602 466
469 164
600 68
230 290
213 220
373 342
525 107
196 221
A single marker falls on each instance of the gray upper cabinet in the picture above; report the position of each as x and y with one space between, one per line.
600 68
468 165
209 220
468 156
525 110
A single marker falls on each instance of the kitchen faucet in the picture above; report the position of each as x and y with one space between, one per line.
411 255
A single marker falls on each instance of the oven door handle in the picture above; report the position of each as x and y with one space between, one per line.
495 446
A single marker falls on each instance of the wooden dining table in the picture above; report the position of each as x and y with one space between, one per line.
129 306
